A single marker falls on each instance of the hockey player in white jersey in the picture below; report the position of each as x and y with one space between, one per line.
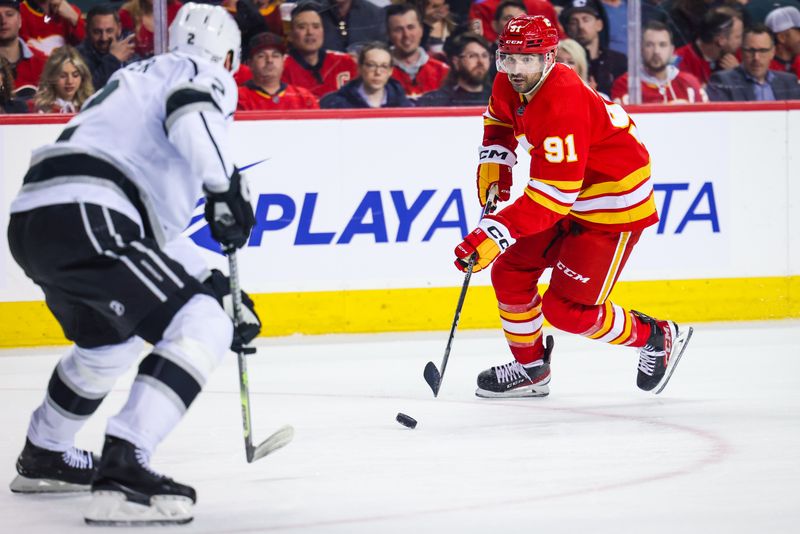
95 226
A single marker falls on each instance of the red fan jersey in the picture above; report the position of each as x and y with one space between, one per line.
792 66
481 15
586 160
678 87
145 40
332 71
28 69
252 97
46 33
429 77
693 62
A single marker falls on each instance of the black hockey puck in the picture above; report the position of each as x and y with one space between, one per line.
406 421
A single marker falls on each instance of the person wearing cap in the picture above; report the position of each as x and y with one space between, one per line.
719 39
752 80
26 62
785 24
584 24
266 90
309 64
48 24
348 23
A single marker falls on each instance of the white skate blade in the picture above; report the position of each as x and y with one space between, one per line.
112 508
23 484
680 344
541 390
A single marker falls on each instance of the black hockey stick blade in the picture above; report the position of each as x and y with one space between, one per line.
279 439
432 377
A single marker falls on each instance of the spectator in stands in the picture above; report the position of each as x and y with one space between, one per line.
757 10
718 40
481 15
8 103
375 87
266 90
26 62
65 85
271 13
468 82
584 24
752 80
617 16
309 64
103 50
662 82
785 24
48 24
438 25
248 19
416 71
571 53
348 23
136 16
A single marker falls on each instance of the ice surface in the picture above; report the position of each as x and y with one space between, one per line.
718 451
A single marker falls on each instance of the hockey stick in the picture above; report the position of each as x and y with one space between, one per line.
433 376
283 435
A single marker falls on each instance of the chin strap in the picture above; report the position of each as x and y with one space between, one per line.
550 62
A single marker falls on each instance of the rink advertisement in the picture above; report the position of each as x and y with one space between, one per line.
357 219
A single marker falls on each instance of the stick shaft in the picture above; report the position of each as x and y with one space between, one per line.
244 388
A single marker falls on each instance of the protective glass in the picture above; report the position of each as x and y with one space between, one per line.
519 63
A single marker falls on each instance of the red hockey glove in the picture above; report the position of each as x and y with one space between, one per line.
494 167
490 239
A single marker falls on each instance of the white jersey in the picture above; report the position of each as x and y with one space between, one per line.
162 123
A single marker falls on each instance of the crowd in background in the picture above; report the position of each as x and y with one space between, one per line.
379 53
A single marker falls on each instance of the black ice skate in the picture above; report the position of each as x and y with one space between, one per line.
126 492
514 380
659 357
45 471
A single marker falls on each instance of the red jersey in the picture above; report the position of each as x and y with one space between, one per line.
792 66
693 62
429 77
28 69
587 163
332 71
252 97
678 87
481 14
46 33
145 40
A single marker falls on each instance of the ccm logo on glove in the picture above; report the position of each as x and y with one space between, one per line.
490 239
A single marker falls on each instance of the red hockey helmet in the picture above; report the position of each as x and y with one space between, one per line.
528 34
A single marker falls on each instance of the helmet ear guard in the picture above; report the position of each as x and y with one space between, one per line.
206 31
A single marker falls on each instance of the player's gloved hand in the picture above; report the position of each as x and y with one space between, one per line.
250 325
494 167
229 213
490 239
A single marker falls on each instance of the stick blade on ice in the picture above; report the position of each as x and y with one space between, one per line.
432 377
281 438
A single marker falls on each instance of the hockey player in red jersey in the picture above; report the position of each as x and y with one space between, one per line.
589 197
